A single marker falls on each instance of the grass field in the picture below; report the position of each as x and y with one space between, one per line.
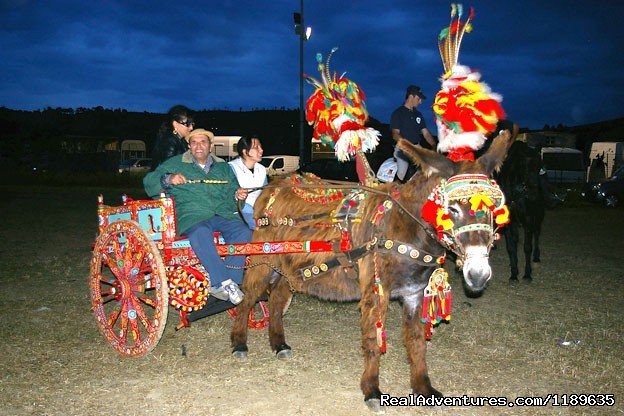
53 360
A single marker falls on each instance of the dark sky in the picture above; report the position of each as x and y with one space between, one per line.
553 61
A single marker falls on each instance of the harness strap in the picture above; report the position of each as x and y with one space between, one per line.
420 256
345 259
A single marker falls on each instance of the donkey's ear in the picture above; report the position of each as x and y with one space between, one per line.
430 162
495 156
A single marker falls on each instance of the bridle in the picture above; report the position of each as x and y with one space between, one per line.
485 198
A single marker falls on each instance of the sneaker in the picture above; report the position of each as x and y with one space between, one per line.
235 295
219 293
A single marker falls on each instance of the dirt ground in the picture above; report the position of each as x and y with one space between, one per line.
53 360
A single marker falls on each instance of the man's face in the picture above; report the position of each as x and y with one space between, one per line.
416 100
200 148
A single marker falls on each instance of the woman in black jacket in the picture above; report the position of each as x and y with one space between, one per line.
170 141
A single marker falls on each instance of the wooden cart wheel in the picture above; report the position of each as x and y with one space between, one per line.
129 293
258 316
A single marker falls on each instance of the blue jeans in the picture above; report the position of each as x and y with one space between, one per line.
248 215
201 237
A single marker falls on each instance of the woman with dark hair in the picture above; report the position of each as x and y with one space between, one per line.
250 173
170 141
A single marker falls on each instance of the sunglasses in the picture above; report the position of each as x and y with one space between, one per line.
187 123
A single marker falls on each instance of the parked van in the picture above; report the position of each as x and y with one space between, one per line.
611 153
225 146
563 165
280 164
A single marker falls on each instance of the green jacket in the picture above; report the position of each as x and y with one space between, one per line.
195 202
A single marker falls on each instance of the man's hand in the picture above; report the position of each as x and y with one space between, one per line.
429 137
177 179
241 194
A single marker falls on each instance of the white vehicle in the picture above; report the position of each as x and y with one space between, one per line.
135 165
280 164
225 147
563 164
612 154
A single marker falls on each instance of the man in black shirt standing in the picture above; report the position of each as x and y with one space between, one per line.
408 123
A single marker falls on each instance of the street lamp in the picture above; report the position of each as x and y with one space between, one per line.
304 35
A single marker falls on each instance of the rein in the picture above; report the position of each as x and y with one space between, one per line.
352 186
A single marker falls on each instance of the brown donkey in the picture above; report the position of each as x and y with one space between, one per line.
383 249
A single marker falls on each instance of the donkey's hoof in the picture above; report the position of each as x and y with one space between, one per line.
513 281
527 279
240 352
283 352
374 405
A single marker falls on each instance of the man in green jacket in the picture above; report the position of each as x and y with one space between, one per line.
203 208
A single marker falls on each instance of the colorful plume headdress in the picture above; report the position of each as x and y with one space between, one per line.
466 109
338 113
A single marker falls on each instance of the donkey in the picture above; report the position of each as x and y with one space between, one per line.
383 250
520 180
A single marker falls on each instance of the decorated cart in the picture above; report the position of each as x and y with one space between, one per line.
139 267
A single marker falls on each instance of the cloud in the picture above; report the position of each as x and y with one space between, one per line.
552 62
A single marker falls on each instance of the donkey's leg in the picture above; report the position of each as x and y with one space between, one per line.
372 310
414 340
255 283
511 243
278 301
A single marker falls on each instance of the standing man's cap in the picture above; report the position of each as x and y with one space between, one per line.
198 132
415 90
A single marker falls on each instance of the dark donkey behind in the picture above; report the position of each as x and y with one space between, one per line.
395 253
520 180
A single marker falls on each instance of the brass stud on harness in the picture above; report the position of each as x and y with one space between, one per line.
414 253
315 270
427 258
402 249
388 244
324 267
307 273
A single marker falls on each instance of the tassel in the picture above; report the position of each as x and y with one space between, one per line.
437 301
381 337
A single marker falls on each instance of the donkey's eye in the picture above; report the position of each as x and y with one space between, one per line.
453 211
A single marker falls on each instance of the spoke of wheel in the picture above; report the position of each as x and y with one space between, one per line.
134 325
131 248
108 294
148 280
112 319
147 300
124 322
117 247
106 280
137 261
113 266
146 322
104 302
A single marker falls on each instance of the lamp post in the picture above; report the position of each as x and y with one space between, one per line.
304 34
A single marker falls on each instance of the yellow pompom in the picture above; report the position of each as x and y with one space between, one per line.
446 224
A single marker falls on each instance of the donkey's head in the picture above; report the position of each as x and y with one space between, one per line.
465 206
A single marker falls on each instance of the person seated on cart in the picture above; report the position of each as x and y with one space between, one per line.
203 208
250 173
